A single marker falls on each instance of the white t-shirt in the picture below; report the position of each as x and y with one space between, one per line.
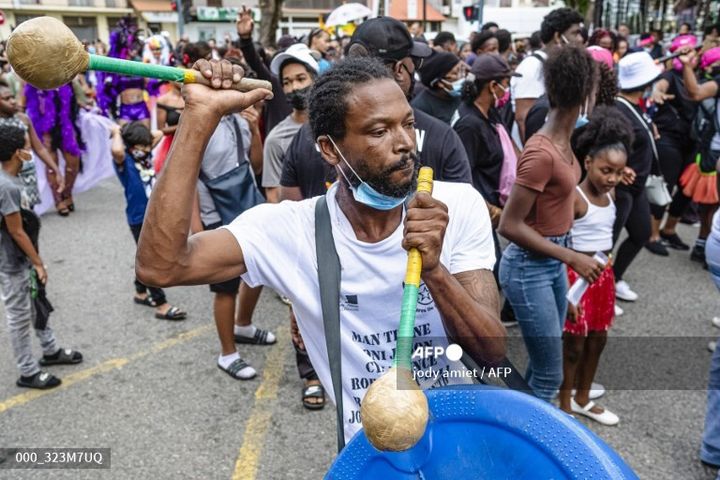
532 83
278 244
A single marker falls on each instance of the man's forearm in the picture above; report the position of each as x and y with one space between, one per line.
163 242
470 311
247 47
23 241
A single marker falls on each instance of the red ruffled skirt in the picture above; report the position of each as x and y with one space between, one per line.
597 305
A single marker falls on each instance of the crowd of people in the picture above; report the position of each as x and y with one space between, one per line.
549 146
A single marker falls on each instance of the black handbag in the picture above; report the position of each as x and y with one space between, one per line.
234 191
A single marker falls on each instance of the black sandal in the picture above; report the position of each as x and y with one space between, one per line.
235 367
260 338
313 391
147 301
62 357
173 313
41 381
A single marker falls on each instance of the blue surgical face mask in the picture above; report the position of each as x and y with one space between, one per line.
456 90
364 193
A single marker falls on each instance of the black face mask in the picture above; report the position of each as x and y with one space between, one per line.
411 91
298 99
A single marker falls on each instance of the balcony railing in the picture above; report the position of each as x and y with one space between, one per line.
29 2
81 3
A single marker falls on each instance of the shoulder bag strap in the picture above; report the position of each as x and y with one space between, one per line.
240 147
539 57
238 135
329 281
647 129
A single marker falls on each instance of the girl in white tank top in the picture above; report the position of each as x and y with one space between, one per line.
585 331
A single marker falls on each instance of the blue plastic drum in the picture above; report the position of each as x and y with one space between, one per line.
488 433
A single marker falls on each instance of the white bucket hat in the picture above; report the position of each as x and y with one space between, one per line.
637 69
299 52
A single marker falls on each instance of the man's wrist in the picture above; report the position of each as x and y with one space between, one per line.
201 112
435 275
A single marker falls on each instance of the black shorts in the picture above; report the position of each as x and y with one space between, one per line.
228 286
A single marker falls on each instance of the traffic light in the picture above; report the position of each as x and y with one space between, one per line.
471 13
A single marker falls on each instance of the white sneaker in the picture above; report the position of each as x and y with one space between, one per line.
716 322
606 417
712 346
623 292
596 391
618 311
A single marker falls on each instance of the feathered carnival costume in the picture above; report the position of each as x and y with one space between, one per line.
55 112
124 44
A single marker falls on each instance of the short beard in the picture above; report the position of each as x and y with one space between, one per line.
381 181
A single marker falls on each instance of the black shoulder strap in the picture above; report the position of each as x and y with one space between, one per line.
329 281
238 135
539 57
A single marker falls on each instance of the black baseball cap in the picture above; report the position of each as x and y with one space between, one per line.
491 66
388 38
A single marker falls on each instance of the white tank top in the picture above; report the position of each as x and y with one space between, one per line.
593 232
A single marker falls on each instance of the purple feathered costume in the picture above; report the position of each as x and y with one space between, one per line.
51 109
122 41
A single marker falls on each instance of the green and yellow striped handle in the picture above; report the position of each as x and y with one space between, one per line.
406 329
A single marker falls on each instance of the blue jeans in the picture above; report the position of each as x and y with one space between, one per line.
710 450
536 286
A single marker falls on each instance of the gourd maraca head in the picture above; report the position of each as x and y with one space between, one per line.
45 53
394 411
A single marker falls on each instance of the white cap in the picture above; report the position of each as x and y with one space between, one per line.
298 51
637 69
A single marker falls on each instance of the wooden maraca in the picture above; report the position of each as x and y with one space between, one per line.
395 411
45 53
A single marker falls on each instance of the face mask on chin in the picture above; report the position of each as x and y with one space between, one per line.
367 195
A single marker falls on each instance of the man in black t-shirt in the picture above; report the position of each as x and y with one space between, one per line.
438 146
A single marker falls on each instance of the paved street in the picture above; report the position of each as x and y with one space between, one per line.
150 390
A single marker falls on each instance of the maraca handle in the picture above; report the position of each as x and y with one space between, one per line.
171 74
413 271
